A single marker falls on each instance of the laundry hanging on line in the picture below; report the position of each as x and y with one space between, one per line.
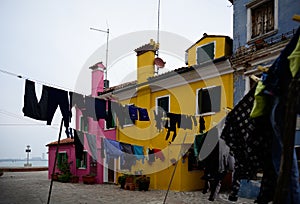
177 121
44 109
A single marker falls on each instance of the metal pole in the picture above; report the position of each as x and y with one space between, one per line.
158 18
106 57
174 171
56 153
28 155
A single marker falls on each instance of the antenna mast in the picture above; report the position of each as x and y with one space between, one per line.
158 18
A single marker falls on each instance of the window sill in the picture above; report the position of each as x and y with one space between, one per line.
262 37
129 125
206 114
82 168
109 129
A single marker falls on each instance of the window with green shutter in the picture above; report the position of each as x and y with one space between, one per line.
62 158
205 53
163 103
209 100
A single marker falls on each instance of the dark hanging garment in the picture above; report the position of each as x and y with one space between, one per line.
151 155
90 107
32 108
92 145
95 108
76 99
133 112
128 159
238 127
194 120
198 142
143 114
278 77
100 108
186 122
158 118
102 148
58 97
109 117
118 110
126 114
174 120
79 143
126 148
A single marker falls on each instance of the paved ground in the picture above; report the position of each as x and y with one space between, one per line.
33 187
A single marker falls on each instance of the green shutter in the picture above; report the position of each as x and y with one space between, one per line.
205 53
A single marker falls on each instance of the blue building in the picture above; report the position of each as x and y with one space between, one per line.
261 29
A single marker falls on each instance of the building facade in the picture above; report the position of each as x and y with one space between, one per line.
92 132
205 89
261 29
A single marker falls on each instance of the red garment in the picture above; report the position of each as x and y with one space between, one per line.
158 154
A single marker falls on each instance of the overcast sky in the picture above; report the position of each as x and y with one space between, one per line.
50 42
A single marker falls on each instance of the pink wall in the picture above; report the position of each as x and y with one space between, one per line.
94 127
69 149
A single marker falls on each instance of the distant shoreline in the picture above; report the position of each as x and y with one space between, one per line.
23 169
15 160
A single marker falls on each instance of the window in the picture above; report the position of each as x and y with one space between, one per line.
62 159
83 124
109 122
205 53
208 100
163 103
82 162
262 18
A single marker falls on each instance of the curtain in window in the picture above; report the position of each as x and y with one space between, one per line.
262 19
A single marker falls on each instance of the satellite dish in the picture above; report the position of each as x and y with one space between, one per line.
159 62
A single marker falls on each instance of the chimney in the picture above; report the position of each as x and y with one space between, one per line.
145 61
97 78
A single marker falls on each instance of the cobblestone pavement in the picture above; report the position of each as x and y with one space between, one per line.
33 187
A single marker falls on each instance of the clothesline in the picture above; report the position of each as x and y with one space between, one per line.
35 80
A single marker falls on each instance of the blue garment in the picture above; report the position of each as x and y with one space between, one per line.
112 149
127 159
277 117
138 152
92 145
143 114
133 112
279 75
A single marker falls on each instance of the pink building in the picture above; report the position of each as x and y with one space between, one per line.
104 170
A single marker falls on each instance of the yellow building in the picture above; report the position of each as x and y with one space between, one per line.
204 88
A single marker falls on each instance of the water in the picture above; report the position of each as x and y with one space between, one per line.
43 163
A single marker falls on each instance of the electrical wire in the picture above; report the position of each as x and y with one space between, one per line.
13 115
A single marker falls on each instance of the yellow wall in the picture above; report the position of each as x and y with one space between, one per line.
145 64
222 48
182 101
